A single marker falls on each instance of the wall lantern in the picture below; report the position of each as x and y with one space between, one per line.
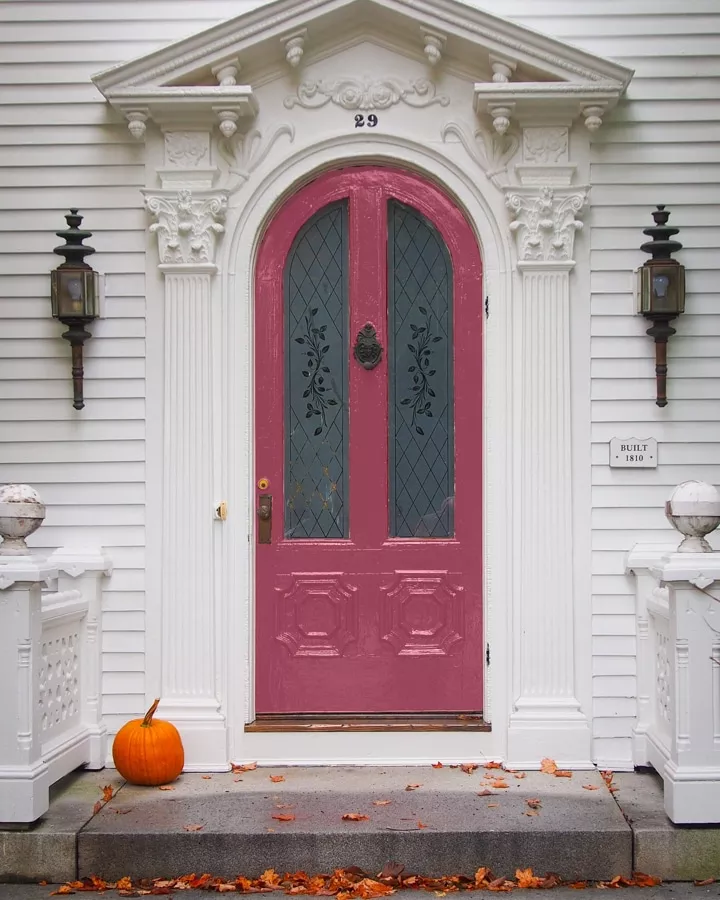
661 292
74 294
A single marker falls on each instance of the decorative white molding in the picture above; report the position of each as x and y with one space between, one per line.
187 225
294 44
136 119
593 116
503 69
491 151
244 151
226 72
186 149
434 44
501 116
558 100
367 93
545 222
546 145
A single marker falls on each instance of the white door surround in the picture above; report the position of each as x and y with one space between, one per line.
513 161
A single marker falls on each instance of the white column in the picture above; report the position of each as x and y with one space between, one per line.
546 718
188 225
24 776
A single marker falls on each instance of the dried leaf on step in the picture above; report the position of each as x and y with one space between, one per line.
355 817
285 817
563 773
492 765
469 768
107 793
640 879
124 884
207 777
607 776
193 827
526 879
422 825
63 889
486 793
245 767
520 775
166 787
578 885
591 787
98 806
534 803
277 778
704 882
437 765
382 802
548 766
413 787
492 805
499 783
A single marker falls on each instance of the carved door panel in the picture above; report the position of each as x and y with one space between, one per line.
368 451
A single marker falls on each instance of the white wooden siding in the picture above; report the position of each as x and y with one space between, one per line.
61 146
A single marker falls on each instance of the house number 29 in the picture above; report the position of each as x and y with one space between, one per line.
361 121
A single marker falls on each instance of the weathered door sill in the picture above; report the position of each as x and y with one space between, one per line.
355 723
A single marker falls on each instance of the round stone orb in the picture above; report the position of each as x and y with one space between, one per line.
21 512
694 509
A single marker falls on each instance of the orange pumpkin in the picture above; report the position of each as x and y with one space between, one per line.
147 751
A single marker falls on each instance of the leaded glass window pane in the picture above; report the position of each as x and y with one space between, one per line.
421 377
316 380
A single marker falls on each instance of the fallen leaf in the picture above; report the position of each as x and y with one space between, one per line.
166 787
277 778
705 882
413 787
382 802
519 775
222 888
285 817
526 879
499 783
107 793
63 889
245 767
440 893
492 765
640 879
578 885
270 878
492 805
98 806
124 884
355 817
500 884
534 803
481 876
193 827
207 777
548 766
422 825
591 787
486 793
563 773
607 776
469 768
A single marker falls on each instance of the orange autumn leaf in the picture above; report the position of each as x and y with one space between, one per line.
285 817
548 766
166 787
413 787
640 879
563 773
590 787
277 778
193 827
224 887
704 882
207 777
98 806
469 768
245 767
270 878
486 793
481 877
607 776
355 817
493 805
499 783
382 802
526 879
500 884
63 889
534 803
422 825
107 793
492 765
578 885
520 775
437 765
124 884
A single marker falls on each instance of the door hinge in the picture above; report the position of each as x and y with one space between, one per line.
487 307
487 654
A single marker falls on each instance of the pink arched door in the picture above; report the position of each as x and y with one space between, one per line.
368 399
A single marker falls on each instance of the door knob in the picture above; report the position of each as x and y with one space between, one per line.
264 514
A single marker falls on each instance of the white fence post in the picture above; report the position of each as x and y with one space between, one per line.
24 775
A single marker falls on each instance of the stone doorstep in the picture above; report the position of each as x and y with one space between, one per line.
142 832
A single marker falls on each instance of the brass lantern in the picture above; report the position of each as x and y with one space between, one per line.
661 292
74 295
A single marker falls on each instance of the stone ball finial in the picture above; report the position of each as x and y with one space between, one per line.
21 512
694 509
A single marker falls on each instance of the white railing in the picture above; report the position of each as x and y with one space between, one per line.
50 675
678 662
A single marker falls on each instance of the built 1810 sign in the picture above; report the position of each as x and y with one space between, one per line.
633 453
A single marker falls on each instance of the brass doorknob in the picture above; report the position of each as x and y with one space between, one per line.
264 511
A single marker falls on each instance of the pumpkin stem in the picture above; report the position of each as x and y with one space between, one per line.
150 713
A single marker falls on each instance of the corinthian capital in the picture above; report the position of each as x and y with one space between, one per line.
545 221
188 225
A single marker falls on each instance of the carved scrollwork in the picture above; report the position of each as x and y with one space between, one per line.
546 145
366 93
490 150
243 152
187 226
545 222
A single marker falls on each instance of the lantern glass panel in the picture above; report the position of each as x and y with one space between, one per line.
74 293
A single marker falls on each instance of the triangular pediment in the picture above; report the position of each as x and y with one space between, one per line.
218 70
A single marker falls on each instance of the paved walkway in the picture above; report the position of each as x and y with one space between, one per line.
433 821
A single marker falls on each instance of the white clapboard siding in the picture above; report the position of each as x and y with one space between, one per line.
61 146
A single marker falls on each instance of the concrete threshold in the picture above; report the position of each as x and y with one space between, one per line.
232 824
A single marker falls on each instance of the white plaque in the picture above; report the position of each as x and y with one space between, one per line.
633 453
